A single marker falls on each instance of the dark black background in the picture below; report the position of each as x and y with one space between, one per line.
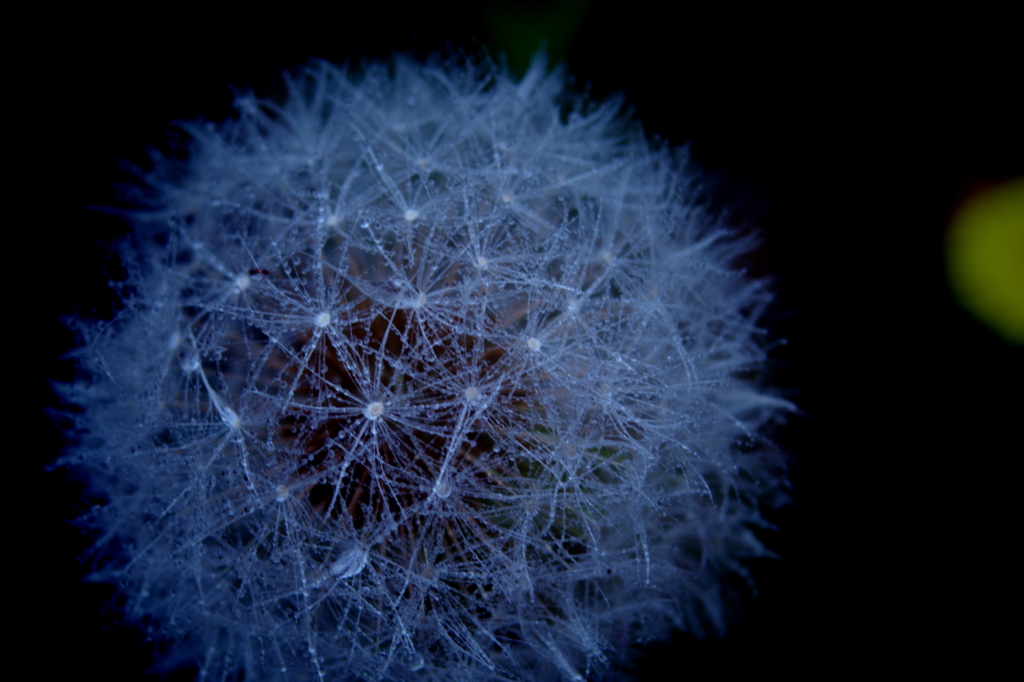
847 137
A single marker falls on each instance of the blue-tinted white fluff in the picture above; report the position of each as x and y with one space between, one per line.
425 374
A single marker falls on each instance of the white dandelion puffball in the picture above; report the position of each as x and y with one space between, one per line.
424 374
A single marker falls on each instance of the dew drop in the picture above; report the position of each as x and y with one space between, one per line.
374 410
442 489
190 362
350 563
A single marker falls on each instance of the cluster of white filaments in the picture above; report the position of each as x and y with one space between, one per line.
375 451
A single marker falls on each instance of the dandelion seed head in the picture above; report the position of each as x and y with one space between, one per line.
313 473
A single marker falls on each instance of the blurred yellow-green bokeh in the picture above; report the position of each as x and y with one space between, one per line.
985 257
